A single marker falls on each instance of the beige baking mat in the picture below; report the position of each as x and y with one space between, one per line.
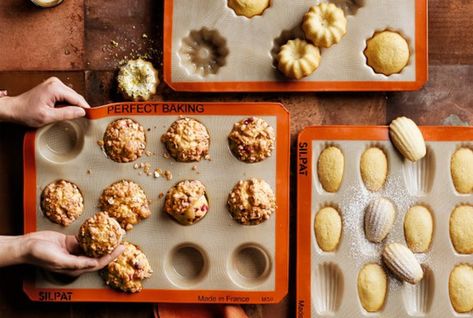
334 275
252 43
217 253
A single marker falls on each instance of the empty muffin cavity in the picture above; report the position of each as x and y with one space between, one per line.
203 52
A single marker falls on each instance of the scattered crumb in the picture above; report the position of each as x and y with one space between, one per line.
207 157
149 129
100 143
67 52
161 195
89 171
168 175
136 166
144 36
114 43
140 173
166 155
149 153
156 174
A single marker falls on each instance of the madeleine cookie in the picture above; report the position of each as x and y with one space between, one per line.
251 202
100 235
62 202
324 24
330 166
407 138
379 219
460 288
124 140
249 8
187 202
137 80
126 202
461 225
372 287
403 263
128 270
187 140
252 140
418 229
328 229
373 168
461 168
298 59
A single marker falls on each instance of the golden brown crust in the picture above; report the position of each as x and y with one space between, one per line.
187 202
251 202
124 140
126 202
137 80
62 202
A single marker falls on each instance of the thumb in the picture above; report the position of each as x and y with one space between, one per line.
67 113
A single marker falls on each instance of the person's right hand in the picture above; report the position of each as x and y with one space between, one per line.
59 253
37 107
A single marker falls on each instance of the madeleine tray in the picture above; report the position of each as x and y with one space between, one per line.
216 260
327 282
242 51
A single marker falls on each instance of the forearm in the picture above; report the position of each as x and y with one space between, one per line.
12 250
7 105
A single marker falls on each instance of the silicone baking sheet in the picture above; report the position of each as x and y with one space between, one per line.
327 282
214 260
245 49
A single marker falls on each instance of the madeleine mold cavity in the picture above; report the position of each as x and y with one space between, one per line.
203 52
328 288
61 142
250 265
418 298
419 175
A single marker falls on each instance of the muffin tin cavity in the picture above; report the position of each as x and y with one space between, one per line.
328 289
419 175
62 142
418 298
203 52
250 265
427 183
187 265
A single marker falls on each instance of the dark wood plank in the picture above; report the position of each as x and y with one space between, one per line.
33 38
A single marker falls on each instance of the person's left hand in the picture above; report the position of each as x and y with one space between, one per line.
59 253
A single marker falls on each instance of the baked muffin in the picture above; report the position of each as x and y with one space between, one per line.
62 202
137 80
324 24
249 8
251 201
124 140
128 270
252 140
100 235
387 52
126 202
298 59
187 140
187 202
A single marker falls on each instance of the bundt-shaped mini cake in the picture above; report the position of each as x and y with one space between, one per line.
324 24
387 52
249 8
137 80
298 59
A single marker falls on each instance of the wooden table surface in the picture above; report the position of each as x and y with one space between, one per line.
73 42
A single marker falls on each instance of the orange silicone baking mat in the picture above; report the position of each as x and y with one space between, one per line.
216 260
208 47
327 281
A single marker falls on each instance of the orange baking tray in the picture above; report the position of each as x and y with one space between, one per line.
270 240
310 196
252 43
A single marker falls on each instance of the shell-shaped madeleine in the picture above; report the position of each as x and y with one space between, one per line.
402 262
379 219
461 168
330 167
407 138
373 168
372 287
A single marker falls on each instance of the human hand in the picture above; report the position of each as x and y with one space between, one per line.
59 253
36 107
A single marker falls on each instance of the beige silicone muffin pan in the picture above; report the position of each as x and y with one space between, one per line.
216 253
246 48
428 182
